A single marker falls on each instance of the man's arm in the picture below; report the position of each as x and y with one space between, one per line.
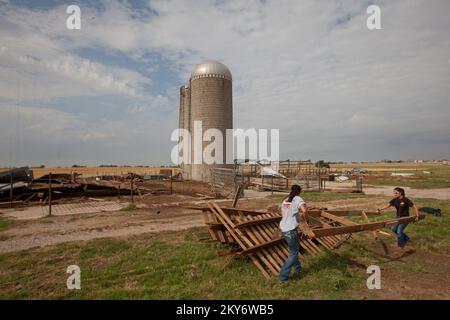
384 208
304 211
303 226
417 212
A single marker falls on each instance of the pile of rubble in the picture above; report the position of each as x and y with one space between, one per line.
18 186
255 234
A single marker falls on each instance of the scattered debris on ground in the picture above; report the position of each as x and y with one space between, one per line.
26 189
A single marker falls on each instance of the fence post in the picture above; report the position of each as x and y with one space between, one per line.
272 185
50 194
11 189
132 187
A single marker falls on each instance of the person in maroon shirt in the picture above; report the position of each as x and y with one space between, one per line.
402 205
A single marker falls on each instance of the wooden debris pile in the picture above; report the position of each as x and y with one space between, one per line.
257 234
18 187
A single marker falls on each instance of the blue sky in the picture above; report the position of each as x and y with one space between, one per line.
108 93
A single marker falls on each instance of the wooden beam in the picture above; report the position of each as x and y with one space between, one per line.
218 212
323 232
343 213
237 195
366 220
261 246
257 222
215 225
311 213
245 212
341 220
375 234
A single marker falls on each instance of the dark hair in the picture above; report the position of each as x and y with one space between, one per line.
295 191
401 190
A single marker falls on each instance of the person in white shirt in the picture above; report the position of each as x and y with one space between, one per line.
290 210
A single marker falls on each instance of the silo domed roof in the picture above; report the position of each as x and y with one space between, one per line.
211 68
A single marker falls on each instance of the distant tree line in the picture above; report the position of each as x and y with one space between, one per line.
322 164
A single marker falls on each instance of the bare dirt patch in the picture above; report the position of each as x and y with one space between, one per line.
410 273
157 213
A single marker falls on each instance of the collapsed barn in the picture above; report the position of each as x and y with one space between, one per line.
19 187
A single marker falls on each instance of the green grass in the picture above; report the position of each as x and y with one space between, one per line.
4 224
155 267
129 207
439 178
174 265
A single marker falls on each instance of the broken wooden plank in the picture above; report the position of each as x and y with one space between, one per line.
344 213
256 222
237 195
261 246
363 227
236 234
341 220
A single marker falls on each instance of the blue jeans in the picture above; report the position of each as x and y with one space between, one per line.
291 238
399 229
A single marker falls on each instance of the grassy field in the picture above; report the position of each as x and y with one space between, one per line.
3 224
176 265
157 267
314 196
380 167
439 177
96 171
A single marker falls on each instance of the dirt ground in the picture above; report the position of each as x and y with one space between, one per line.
429 279
159 216
160 213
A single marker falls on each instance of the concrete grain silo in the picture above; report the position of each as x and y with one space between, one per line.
211 101
184 123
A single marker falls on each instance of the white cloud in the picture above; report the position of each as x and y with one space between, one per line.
35 56
310 68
